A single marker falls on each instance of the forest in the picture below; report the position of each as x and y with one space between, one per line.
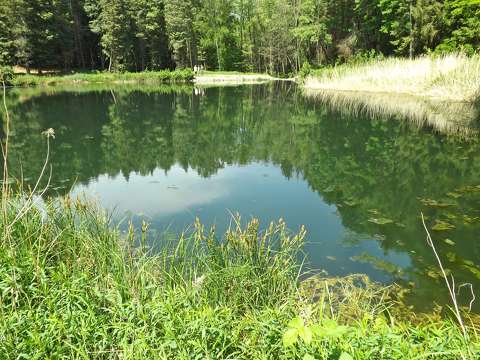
274 36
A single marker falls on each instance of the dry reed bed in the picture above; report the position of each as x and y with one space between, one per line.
452 77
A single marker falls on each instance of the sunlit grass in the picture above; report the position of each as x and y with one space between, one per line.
207 77
71 286
453 77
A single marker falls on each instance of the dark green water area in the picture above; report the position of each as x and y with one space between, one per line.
358 183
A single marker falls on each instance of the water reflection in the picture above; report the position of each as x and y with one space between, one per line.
357 183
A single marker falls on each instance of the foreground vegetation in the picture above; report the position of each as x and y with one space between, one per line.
185 75
452 77
73 287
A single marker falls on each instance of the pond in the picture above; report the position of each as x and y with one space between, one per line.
169 154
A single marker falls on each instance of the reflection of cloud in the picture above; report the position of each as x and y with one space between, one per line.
158 194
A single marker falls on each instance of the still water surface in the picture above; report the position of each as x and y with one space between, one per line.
357 183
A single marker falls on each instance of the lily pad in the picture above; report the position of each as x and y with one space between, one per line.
442 226
473 269
449 242
381 221
435 203
454 194
451 256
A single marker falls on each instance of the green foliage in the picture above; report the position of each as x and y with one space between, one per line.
305 70
183 75
272 36
463 27
6 75
72 287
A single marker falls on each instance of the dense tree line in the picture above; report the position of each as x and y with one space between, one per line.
277 36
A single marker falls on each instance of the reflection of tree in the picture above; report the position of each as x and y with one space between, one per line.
363 166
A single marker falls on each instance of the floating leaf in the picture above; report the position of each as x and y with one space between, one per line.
469 262
467 219
380 221
454 195
468 189
332 258
451 256
473 269
435 203
378 263
442 226
449 242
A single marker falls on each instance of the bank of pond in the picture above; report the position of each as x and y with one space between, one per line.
73 287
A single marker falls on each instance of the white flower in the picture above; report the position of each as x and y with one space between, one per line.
49 133
198 281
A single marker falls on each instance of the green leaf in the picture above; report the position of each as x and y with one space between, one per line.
345 356
290 337
308 357
306 334
329 329
296 323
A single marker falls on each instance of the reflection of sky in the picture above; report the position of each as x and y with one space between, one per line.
158 194
172 200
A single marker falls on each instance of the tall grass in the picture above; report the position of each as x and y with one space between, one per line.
453 77
185 75
71 286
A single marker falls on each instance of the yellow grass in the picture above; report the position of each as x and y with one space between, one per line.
453 77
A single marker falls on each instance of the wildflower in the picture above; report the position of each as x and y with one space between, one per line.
198 281
49 133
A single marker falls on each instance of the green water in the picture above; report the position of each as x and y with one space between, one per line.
358 184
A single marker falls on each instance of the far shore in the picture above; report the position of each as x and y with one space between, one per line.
163 76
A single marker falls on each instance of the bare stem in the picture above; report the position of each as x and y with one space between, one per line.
5 187
450 286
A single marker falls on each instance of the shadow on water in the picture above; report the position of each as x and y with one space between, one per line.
295 155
